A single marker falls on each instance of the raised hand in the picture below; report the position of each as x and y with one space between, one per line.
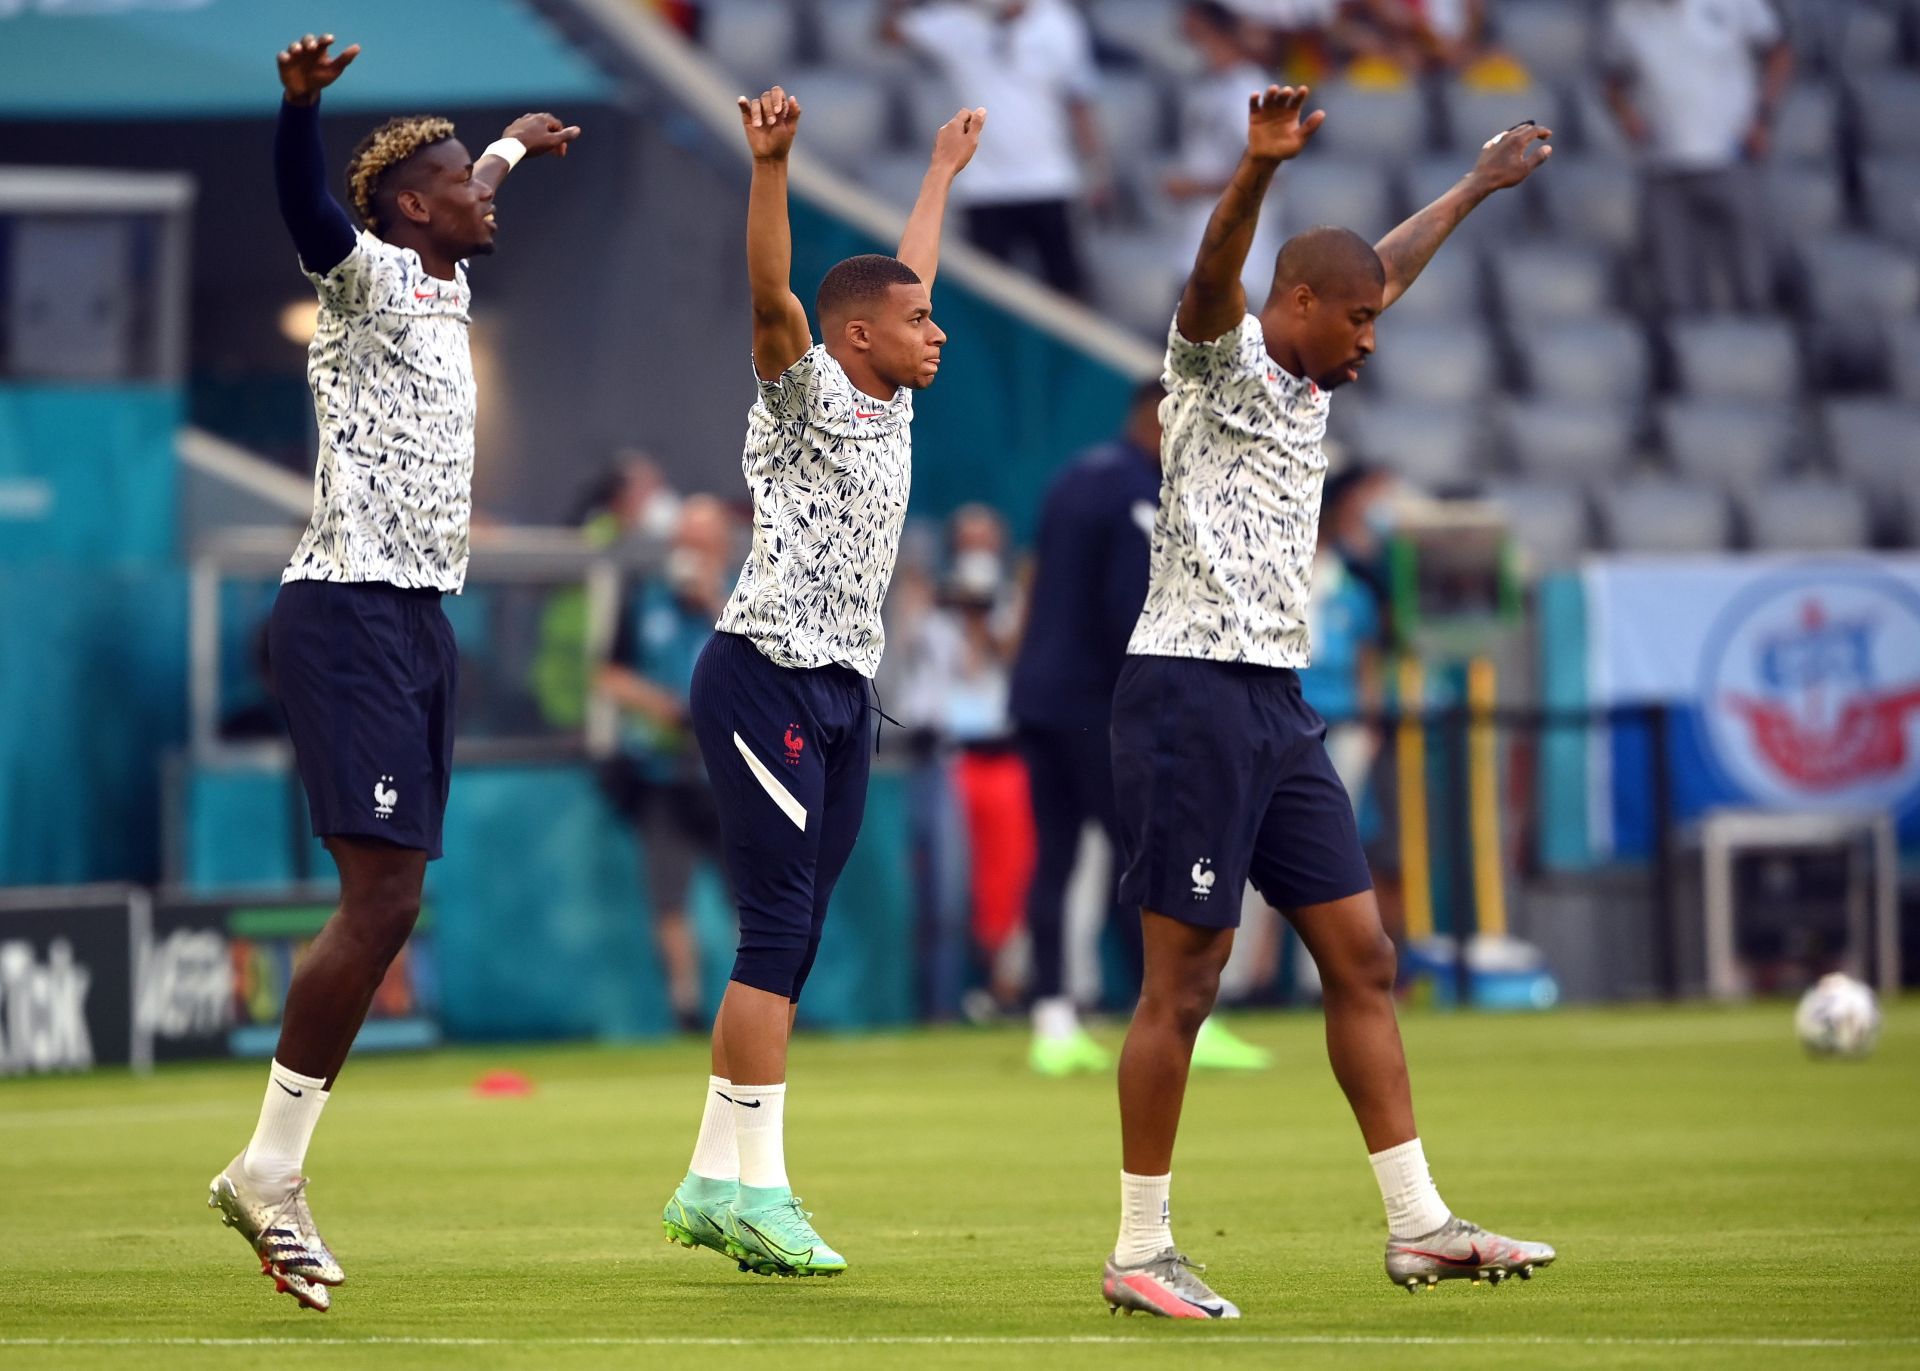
770 121
1275 130
542 133
958 139
306 69
1509 157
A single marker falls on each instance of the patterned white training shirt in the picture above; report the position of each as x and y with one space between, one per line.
828 467
393 391
1233 542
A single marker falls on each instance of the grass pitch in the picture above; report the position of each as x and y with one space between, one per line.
1717 1201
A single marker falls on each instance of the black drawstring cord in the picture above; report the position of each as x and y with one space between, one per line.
885 718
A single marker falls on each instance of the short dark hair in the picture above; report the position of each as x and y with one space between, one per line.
1327 261
859 281
374 168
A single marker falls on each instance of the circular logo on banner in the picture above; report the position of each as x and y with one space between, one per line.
1812 690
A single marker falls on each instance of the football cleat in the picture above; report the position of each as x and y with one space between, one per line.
1217 1048
1167 1285
280 1230
693 1221
1458 1250
777 1239
1064 1056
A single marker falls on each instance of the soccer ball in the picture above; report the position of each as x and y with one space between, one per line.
1839 1017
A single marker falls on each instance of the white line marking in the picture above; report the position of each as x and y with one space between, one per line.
783 797
957 1340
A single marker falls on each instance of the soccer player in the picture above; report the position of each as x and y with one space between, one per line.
362 655
1218 763
779 697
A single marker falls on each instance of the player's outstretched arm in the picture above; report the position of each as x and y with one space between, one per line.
1214 302
322 232
780 333
1506 159
953 148
535 134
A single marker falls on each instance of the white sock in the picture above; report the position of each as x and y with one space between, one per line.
1414 1206
279 1147
1146 1219
716 1155
1055 1017
759 1111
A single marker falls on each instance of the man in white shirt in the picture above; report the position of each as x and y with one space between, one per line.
1031 63
779 696
1695 85
363 660
1220 768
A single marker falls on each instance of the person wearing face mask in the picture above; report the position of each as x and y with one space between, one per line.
1346 621
658 781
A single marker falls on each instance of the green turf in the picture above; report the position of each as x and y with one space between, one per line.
1718 1201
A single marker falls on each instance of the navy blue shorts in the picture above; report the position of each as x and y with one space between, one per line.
787 752
1221 773
366 673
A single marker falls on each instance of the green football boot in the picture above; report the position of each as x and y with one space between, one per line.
768 1233
696 1214
1064 1056
1218 1049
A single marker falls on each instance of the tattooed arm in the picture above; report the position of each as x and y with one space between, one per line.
1214 302
1506 160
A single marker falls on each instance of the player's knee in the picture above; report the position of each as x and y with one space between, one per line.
1369 968
382 915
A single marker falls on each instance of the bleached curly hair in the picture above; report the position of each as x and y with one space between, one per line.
383 150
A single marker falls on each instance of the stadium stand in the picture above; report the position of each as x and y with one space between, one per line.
1530 357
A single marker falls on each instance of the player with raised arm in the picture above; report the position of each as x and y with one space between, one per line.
362 656
779 698
1219 764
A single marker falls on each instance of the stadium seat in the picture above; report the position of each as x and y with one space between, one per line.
1593 199
1449 288
1550 280
1655 515
1888 105
1438 360
1892 191
1549 520
1850 276
1137 278
1569 440
1735 443
1554 40
1352 195
895 178
1805 516
1147 29
849 114
1497 221
1596 130
1603 357
1436 447
1805 200
1734 358
755 40
1867 38
1807 126
1876 443
1473 116
1134 116
1903 353
845 35
1385 126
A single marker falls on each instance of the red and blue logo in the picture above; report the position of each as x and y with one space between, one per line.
1812 691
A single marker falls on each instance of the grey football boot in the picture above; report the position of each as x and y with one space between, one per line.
1167 1285
280 1230
1458 1250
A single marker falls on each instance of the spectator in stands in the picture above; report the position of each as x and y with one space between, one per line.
1695 85
1030 63
658 781
1213 134
1294 39
1427 35
1346 622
